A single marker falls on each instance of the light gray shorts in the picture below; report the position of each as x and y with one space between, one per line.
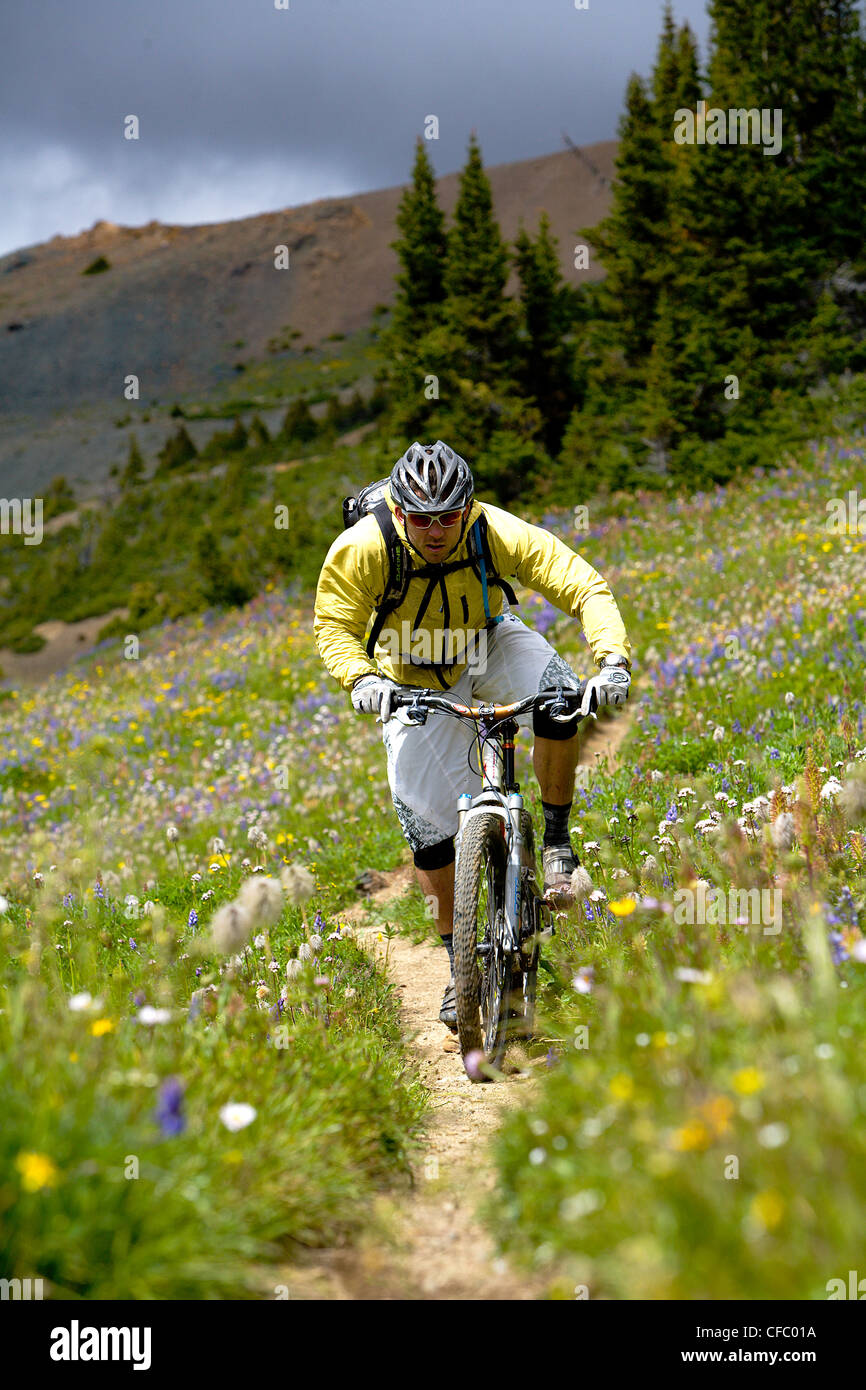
428 764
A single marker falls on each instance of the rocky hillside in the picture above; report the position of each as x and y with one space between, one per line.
179 305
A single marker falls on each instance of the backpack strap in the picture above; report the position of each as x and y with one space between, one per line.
397 581
479 546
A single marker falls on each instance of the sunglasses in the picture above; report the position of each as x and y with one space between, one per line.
423 520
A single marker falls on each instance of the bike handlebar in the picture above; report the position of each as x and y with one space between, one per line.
557 698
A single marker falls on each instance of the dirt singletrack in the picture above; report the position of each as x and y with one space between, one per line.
426 1242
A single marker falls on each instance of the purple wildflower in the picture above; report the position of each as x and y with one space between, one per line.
169 1111
192 921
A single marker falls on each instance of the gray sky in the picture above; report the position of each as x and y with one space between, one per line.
244 108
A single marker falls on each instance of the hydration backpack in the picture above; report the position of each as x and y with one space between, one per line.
371 501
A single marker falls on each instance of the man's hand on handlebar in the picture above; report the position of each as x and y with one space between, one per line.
373 693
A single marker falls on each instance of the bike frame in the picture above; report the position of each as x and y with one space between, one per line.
500 796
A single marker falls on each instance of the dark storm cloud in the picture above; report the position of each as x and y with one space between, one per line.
244 107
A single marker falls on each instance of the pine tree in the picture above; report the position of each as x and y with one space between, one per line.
299 424
134 470
476 310
421 249
633 239
544 372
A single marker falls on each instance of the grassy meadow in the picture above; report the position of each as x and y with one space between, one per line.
203 1073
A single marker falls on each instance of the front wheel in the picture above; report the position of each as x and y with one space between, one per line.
482 970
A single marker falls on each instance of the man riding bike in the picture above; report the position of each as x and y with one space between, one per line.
431 499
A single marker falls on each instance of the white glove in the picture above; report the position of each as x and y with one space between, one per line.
370 694
609 687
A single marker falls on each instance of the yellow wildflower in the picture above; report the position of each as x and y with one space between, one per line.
622 907
768 1208
748 1080
37 1171
101 1026
693 1135
621 1087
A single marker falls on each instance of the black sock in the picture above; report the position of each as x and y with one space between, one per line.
448 943
556 824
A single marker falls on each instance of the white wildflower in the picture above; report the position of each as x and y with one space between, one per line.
171 833
263 899
230 927
294 968
305 951
316 943
237 1116
79 1002
832 787
151 1016
783 831
298 883
693 977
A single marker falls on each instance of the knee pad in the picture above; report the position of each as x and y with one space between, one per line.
545 727
436 856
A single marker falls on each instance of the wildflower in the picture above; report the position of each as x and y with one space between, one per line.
37 1171
767 1209
148 908
748 1080
230 928
693 1135
832 787
305 951
852 800
79 1002
132 944
293 969
101 1026
693 977
151 1016
237 1115
783 832
322 981
217 846
4 904
263 899
656 776
621 1087
649 866
583 980
298 883
131 906
273 966
581 883
195 878
99 891
597 895
592 845
773 1136
171 834
858 951
474 1062
257 837
623 907
192 920
262 992
718 733
169 1111
316 943
790 697
350 992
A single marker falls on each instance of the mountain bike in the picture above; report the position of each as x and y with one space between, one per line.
500 915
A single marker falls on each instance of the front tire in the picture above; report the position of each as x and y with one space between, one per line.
479 899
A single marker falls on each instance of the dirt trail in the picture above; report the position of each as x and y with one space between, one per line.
425 1243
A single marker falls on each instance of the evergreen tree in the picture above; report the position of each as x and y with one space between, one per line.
476 311
176 452
421 249
633 240
544 372
134 470
299 424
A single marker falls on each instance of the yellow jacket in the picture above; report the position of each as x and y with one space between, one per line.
354 577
